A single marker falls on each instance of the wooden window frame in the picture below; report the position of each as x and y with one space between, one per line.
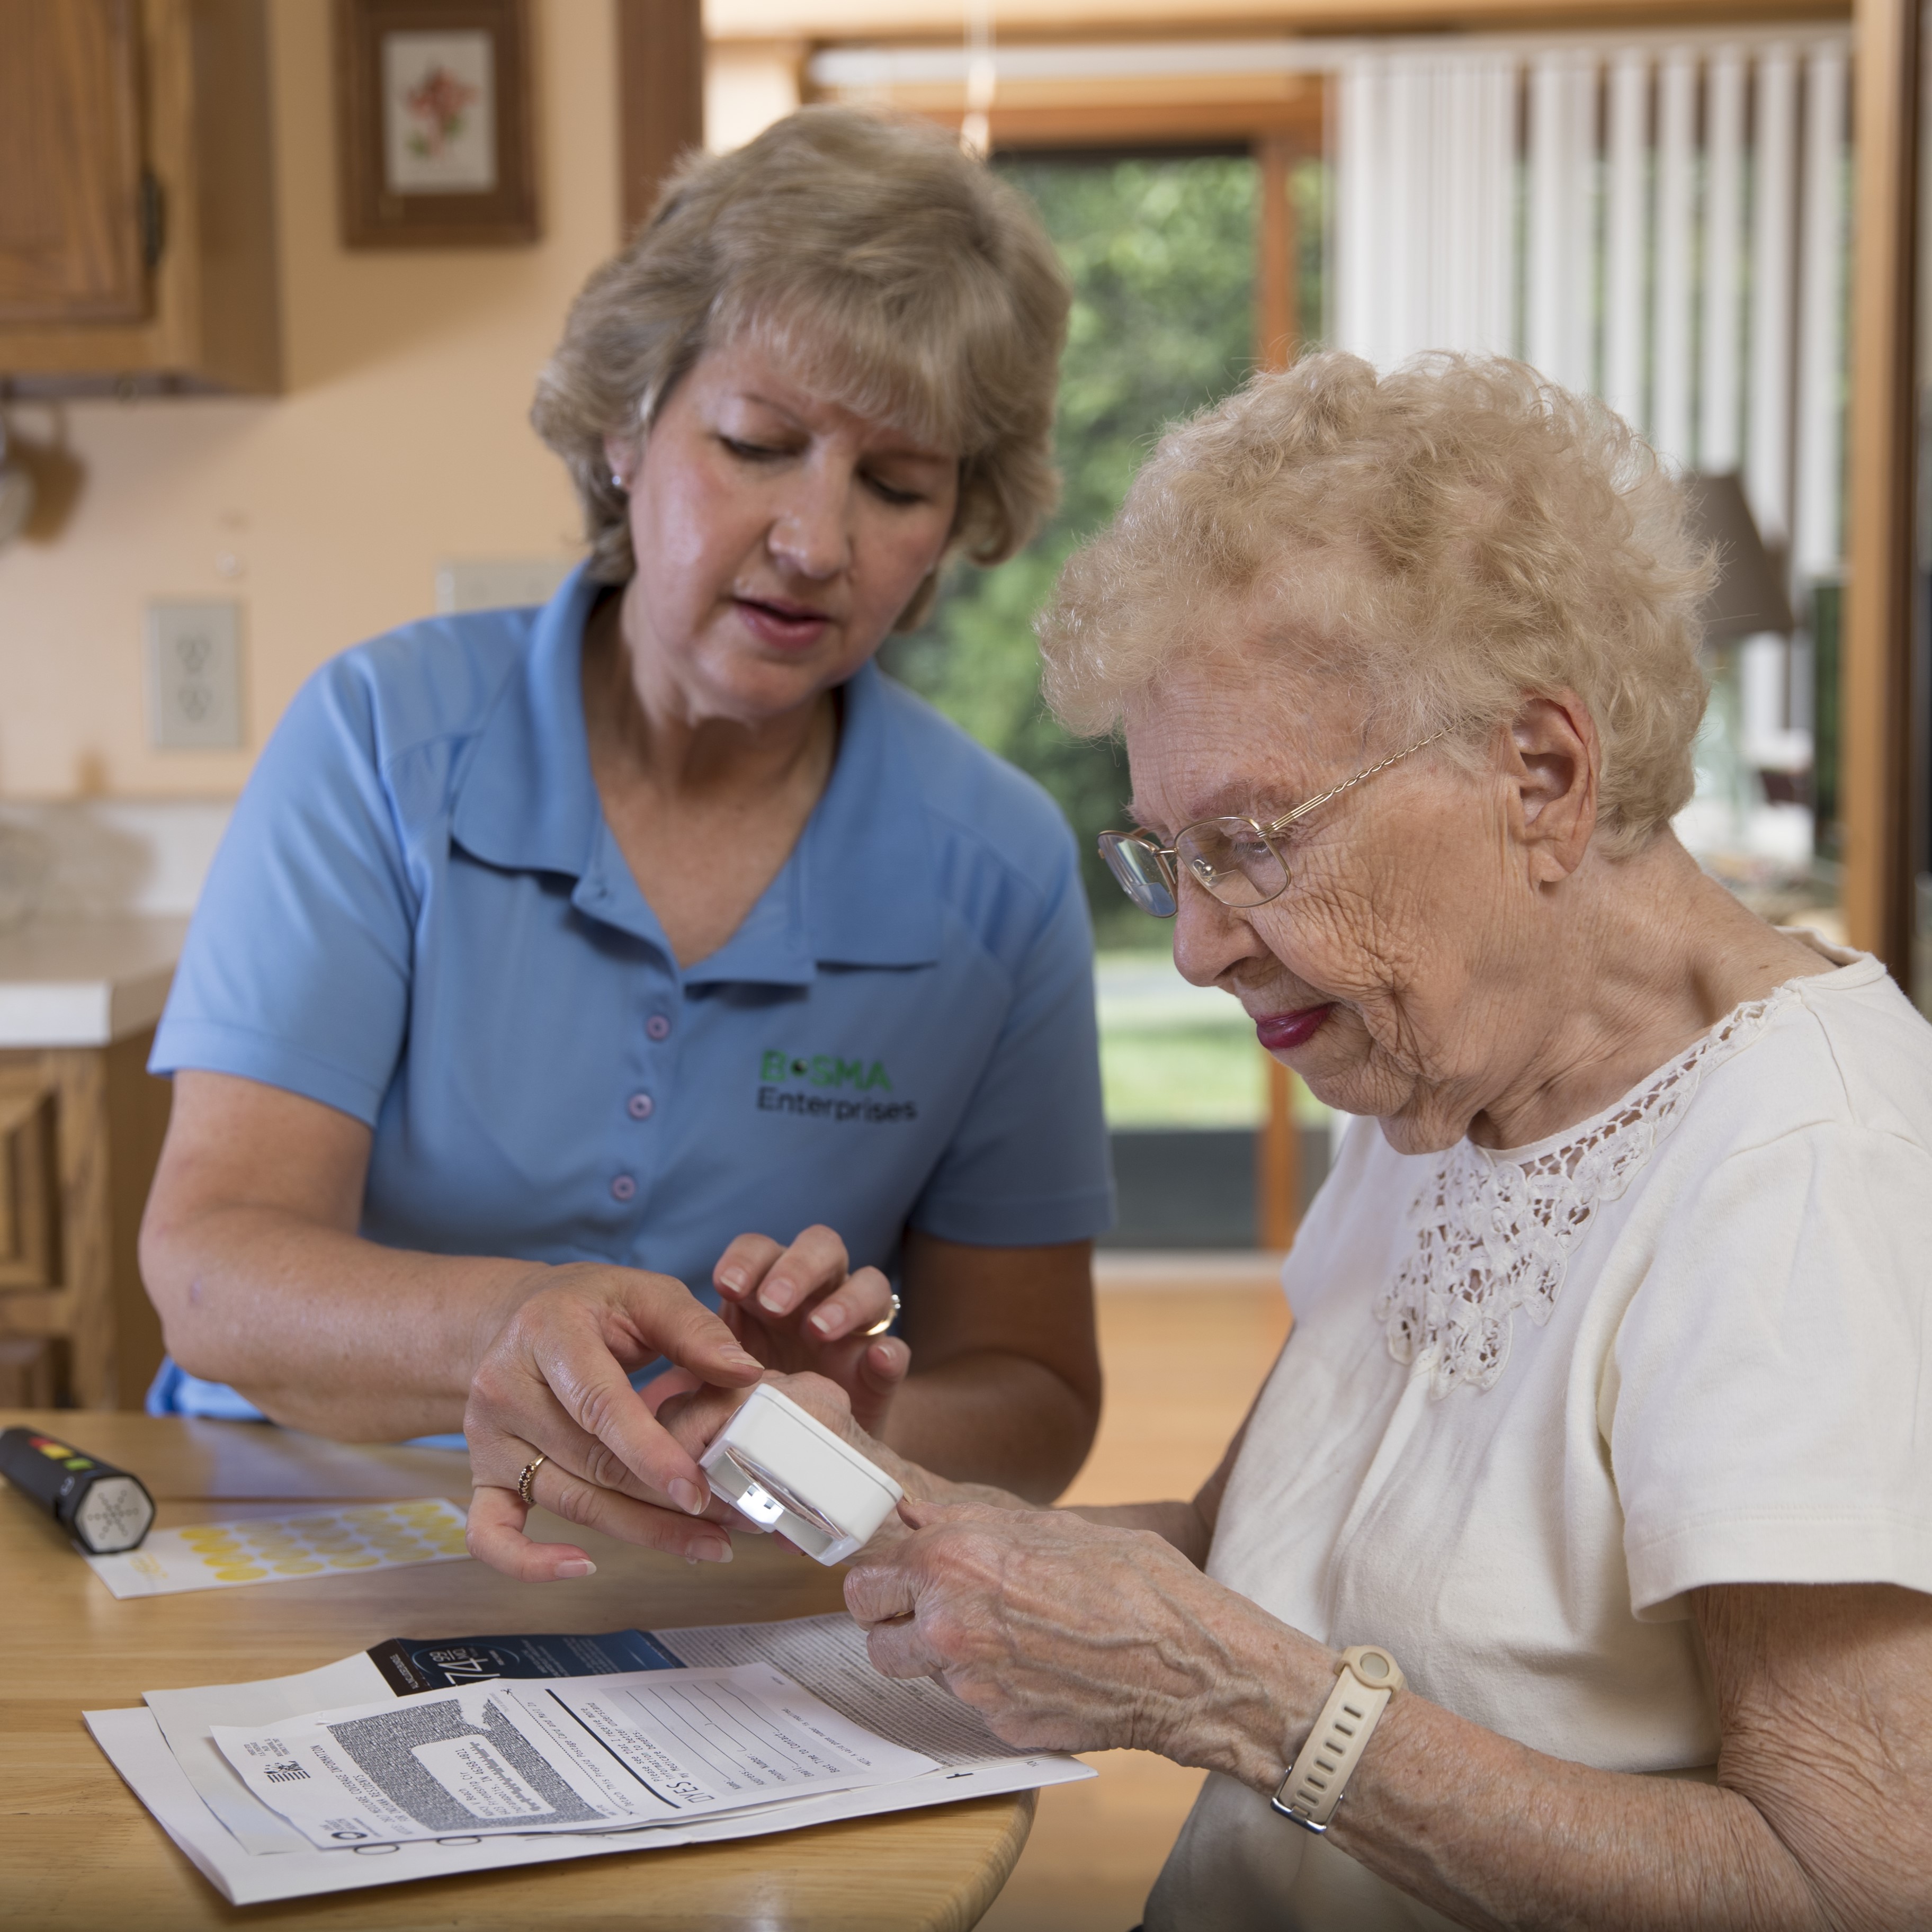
1877 696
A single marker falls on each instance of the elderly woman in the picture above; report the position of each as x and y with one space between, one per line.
560 963
1583 1532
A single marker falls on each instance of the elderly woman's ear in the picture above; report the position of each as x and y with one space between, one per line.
1550 754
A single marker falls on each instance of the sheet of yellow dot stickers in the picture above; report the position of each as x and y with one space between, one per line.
279 1549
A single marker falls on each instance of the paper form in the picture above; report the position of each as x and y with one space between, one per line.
572 1754
829 1653
250 1853
186 1718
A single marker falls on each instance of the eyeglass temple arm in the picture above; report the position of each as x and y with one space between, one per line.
1301 810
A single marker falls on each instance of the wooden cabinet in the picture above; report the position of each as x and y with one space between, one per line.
137 208
82 1122
72 176
80 1131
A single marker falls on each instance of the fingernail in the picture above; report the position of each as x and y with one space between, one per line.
777 1296
824 1323
740 1358
710 1552
732 1279
580 1566
688 1497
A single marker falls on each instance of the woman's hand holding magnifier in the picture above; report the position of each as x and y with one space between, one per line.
553 1390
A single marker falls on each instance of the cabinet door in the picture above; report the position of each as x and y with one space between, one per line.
71 214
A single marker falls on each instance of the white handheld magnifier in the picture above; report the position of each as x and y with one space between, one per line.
784 1470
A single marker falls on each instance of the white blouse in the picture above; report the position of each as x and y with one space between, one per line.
1533 1397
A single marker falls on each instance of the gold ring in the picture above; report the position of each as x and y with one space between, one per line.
524 1481
880 1328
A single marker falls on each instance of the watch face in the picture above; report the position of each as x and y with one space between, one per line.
113 1516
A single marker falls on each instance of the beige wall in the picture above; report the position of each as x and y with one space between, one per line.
400 442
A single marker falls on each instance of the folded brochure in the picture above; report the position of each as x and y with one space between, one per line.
664 1738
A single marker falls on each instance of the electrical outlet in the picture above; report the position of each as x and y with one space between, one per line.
194 676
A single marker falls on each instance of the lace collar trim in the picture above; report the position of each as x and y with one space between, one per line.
1493 1231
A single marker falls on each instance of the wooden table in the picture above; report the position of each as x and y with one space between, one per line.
77 1850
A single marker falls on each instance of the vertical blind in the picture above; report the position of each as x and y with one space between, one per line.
1661 223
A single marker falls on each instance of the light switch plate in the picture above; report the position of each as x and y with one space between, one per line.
496 582
194 676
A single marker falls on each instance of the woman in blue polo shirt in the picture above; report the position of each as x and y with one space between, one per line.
560 963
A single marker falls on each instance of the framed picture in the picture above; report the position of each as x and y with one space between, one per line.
433 120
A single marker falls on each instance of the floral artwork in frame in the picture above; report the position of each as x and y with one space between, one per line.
433 116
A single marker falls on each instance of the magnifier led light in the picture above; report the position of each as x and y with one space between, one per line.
785 1471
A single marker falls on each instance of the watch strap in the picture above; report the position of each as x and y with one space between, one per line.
1368 1678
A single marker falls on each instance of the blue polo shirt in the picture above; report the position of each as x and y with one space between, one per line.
419 916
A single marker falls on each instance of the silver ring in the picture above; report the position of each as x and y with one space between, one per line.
524 1481
880 1328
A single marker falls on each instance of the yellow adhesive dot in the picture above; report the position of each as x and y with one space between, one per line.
352 1562
241 1573
298 1569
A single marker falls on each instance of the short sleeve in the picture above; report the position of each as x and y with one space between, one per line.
1768 1406
1028 1164
296 970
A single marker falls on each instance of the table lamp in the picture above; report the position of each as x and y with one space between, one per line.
1748 598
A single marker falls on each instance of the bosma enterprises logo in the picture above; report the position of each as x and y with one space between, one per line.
826 1087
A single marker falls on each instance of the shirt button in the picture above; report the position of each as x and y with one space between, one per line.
623 1188
657 1028
641 1106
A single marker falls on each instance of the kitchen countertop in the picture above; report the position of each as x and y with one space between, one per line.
83 982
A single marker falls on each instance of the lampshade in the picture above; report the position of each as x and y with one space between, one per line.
1749 596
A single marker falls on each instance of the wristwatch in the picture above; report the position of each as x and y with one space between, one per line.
1368 1678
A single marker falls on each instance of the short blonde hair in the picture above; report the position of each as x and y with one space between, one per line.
1447 538
894 274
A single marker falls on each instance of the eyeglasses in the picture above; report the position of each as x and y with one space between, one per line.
1235 859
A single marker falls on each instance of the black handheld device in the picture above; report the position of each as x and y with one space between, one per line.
106 1510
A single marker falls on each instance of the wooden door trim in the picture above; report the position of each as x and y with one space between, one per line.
660 97
1875 695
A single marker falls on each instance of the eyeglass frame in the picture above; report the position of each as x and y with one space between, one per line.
1267 834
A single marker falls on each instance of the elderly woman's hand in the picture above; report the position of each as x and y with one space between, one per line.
695 1415
552 1383
1070 1635
803 1309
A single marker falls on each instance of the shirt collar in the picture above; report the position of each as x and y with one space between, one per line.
858 890
527 802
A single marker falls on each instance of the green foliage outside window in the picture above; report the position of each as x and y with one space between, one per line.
1162 256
